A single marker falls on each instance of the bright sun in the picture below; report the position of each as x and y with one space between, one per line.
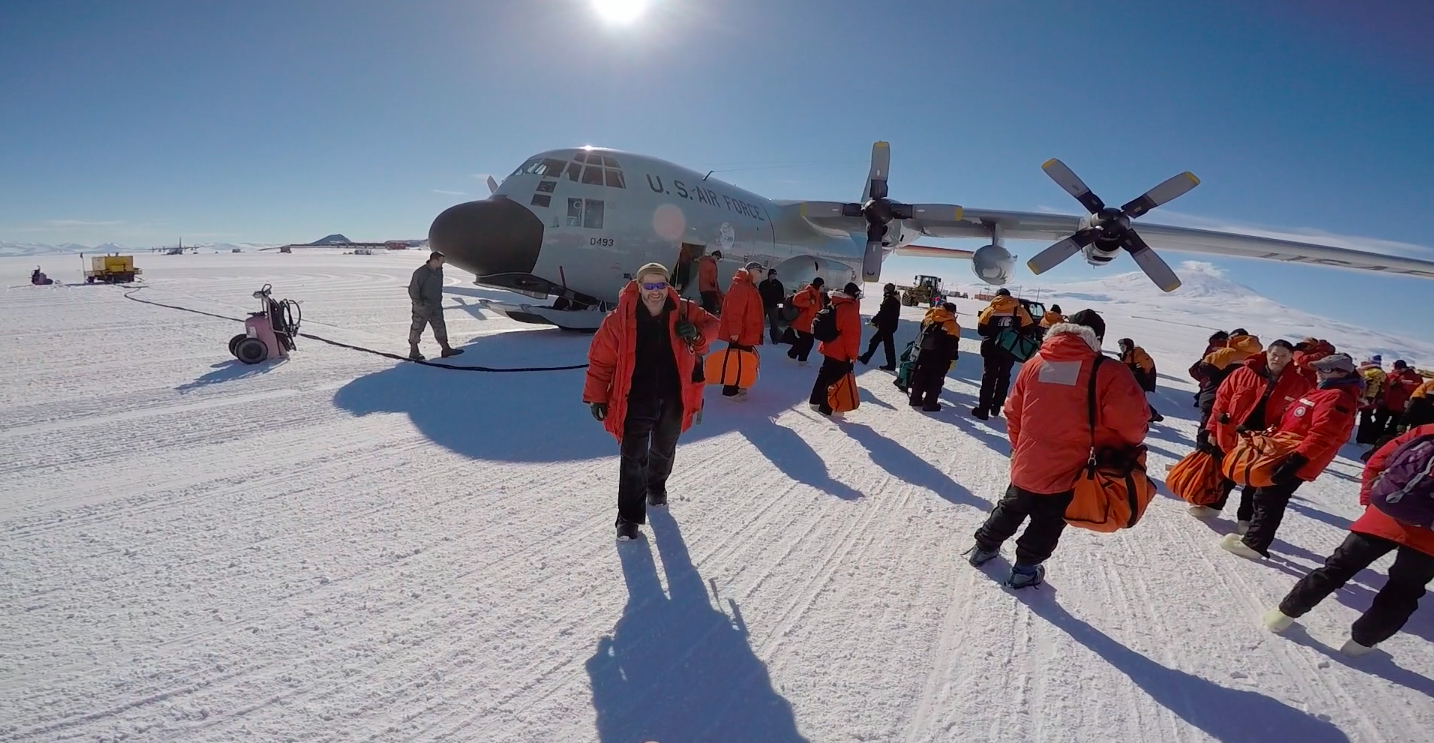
620 11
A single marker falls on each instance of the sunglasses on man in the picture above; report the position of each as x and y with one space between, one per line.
652 286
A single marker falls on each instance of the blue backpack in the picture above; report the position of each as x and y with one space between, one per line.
1404 491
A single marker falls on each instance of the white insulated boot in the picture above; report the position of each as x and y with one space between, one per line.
1231 543
1353 649
1202 512
1276 621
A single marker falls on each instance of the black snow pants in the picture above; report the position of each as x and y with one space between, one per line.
1270 505
927 380
831 371
1047 514
803 347
775 324
1396 601
649 443
1246 509
1368 431
996 366
887 338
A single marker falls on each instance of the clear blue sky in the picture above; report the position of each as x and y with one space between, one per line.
142 121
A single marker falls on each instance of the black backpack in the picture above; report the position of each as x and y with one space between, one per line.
825 326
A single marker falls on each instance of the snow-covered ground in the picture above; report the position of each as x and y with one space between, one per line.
344 547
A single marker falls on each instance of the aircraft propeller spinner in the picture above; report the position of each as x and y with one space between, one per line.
879 211
1110 229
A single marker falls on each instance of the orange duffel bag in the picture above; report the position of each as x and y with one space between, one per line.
1256 455
736 367
1111 495
1112 490
1195 479
842 395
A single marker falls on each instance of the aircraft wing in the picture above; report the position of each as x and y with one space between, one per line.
929 251
1053 227
1044 227
932 220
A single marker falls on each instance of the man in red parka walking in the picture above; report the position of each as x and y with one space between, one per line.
1048 422
742 317
1253 398
839 355
640 386
1373 536
1323 420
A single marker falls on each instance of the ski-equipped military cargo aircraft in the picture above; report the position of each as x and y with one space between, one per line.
575 223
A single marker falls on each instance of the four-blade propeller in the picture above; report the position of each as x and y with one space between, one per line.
879 211
1110 228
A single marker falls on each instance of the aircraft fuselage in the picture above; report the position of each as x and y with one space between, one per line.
579 222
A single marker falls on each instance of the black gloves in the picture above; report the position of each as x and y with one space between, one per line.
1288 469
599 410
1203 443
686 330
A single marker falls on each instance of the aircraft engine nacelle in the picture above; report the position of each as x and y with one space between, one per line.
993 264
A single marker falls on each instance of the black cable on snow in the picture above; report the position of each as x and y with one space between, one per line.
397 357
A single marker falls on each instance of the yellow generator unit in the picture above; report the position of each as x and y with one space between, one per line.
111 269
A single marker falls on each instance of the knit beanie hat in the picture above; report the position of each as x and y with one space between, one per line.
1091 320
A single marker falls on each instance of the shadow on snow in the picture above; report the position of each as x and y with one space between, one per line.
1227 715
540 416
676 668
229 371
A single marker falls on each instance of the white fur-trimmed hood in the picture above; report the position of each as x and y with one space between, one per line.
1070 328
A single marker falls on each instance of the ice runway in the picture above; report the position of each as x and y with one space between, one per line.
343 547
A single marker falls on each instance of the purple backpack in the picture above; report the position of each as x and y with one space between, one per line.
1405 489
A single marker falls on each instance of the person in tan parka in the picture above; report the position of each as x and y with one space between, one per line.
1004 313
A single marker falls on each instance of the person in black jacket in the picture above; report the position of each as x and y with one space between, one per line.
938 344
885 322
772 293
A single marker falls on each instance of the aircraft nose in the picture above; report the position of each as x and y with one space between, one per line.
492 237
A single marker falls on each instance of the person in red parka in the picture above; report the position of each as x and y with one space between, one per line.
809 301
1309 351
707 282
1253 398
1048 422
640 385
1373 536
1398 387
742 317
840 354
1323 420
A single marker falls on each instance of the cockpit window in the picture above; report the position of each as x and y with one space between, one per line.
596 170
592 213
525 166
586 213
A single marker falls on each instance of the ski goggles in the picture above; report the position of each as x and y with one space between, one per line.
652 286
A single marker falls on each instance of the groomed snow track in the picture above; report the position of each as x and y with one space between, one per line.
347 548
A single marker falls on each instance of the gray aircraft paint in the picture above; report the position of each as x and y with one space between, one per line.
663 206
